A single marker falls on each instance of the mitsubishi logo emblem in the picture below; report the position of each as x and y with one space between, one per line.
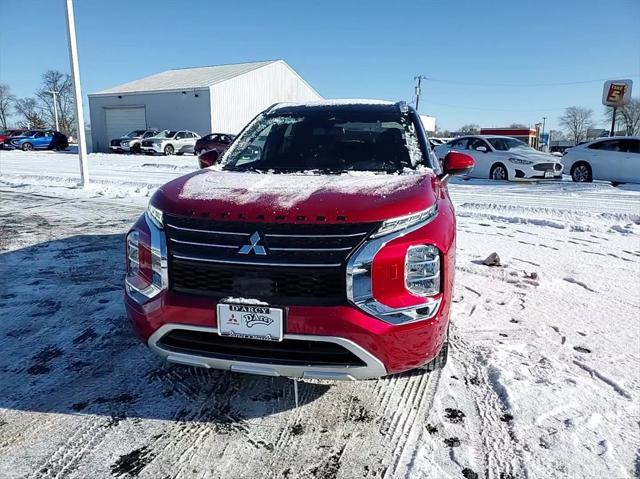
254 246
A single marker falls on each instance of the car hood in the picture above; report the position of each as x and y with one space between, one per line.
364 197
537 156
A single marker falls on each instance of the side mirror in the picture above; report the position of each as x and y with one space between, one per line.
456 164
208 158
482 148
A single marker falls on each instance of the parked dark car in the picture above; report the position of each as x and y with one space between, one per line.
40 140
214 141
6 135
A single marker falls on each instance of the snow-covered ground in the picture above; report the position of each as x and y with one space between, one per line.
543 379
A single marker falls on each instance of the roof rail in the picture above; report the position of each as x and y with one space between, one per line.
268 110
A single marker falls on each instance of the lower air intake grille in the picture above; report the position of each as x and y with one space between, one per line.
295 352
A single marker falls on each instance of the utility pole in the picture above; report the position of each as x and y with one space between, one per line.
55 107
418 79
544 122
77 93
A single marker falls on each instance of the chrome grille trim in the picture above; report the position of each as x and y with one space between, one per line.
208 245
253 263
213 232
352 235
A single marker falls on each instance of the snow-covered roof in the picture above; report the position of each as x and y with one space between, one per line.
186 78
334 102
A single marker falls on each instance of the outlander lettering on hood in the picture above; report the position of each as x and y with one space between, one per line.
320 246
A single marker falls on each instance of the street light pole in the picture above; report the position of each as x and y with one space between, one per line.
55 107
77 93
544 122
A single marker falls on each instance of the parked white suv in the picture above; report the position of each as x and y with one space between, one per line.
503 158
615 159
131 141
170 142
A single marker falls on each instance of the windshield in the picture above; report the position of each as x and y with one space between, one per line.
166 134
506 144
328 141
135 134
150 134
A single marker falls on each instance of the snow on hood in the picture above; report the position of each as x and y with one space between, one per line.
288 190
534 156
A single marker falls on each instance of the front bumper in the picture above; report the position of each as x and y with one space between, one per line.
383 347
529 172
152 149
119 149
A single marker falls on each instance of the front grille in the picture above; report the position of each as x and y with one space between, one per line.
303 264
115 142
544 166
147 143
295 352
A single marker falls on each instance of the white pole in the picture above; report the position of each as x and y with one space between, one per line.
55 109
77 93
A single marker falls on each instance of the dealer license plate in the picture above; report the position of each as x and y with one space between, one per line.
250 321
549 174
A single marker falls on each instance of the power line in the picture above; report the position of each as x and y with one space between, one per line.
512 110
526 85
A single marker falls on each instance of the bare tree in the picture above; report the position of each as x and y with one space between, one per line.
29 113
556 135
627 116
518 125
6 100
470 129
577 120
60 83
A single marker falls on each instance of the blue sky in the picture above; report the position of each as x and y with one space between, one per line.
491 62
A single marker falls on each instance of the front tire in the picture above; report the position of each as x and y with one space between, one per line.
499 172
581 173
168 150
27 146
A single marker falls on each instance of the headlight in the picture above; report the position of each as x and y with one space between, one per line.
520 161
422 270
155 215
133 254
402 222
124 143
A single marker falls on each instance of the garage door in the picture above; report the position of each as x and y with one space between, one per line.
121 121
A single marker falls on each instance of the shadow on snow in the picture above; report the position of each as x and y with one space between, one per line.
67 346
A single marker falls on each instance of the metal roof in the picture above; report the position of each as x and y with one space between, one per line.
186 78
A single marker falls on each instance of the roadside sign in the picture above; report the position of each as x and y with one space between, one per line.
616 92
544 139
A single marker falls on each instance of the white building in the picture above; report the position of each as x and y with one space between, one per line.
209 99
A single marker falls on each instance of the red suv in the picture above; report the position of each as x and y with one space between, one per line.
321 246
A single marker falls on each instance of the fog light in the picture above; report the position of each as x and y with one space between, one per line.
422 270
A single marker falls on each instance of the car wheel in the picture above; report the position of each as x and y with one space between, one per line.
168 150
581 173
27 146
499 172
135 149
